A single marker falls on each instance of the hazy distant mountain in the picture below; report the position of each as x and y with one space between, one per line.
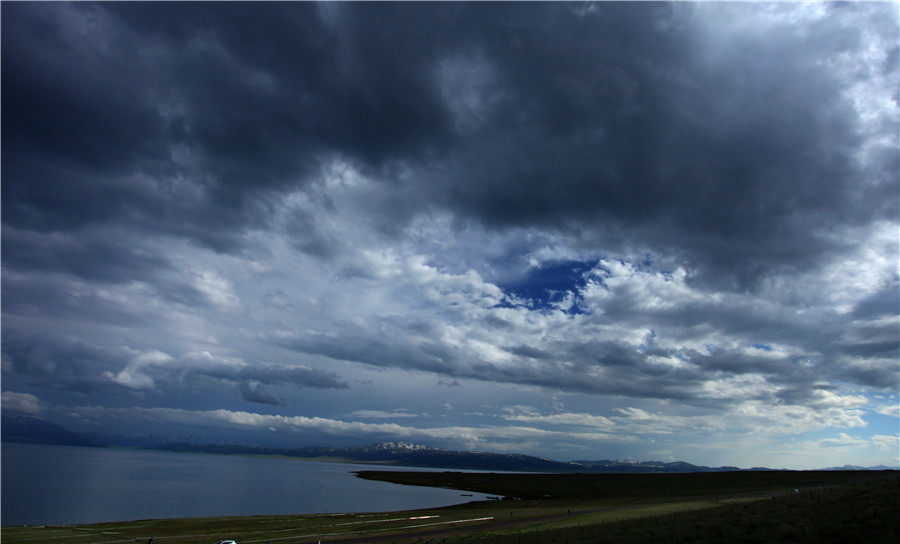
24 428
855 467
401 454
616 465
417 455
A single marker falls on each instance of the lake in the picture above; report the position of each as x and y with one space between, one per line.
60 485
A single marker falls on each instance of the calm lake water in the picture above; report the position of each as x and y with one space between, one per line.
59 485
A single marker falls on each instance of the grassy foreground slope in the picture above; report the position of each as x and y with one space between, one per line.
611 487
867 511
831 507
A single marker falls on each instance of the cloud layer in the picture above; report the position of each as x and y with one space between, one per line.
639 220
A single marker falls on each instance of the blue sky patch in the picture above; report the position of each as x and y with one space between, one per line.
548 284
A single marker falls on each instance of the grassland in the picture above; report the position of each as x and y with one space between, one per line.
861 512
746 507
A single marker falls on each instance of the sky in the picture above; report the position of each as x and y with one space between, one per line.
573 230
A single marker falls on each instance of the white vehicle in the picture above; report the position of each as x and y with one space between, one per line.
227 542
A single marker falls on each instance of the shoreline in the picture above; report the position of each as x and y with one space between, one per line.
579 518
64 485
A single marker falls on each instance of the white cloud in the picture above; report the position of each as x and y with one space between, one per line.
381 414
756 418
579 419
25 403
640 421
217 289
887 442
134 375
842 440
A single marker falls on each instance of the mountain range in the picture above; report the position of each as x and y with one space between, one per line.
23 428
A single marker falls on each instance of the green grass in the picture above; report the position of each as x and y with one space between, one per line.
705 507
867 511
618 486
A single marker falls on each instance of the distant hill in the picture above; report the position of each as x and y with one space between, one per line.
400 454
24 428
624 466
855 467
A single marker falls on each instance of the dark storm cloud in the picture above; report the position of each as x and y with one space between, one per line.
530 351
92 118
607 367
306 237
614 122
59 362
253 391
261 373
373 349
877 374
70 364
883 303
32 295
47 268
232 101
660 206
724 158
101 257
